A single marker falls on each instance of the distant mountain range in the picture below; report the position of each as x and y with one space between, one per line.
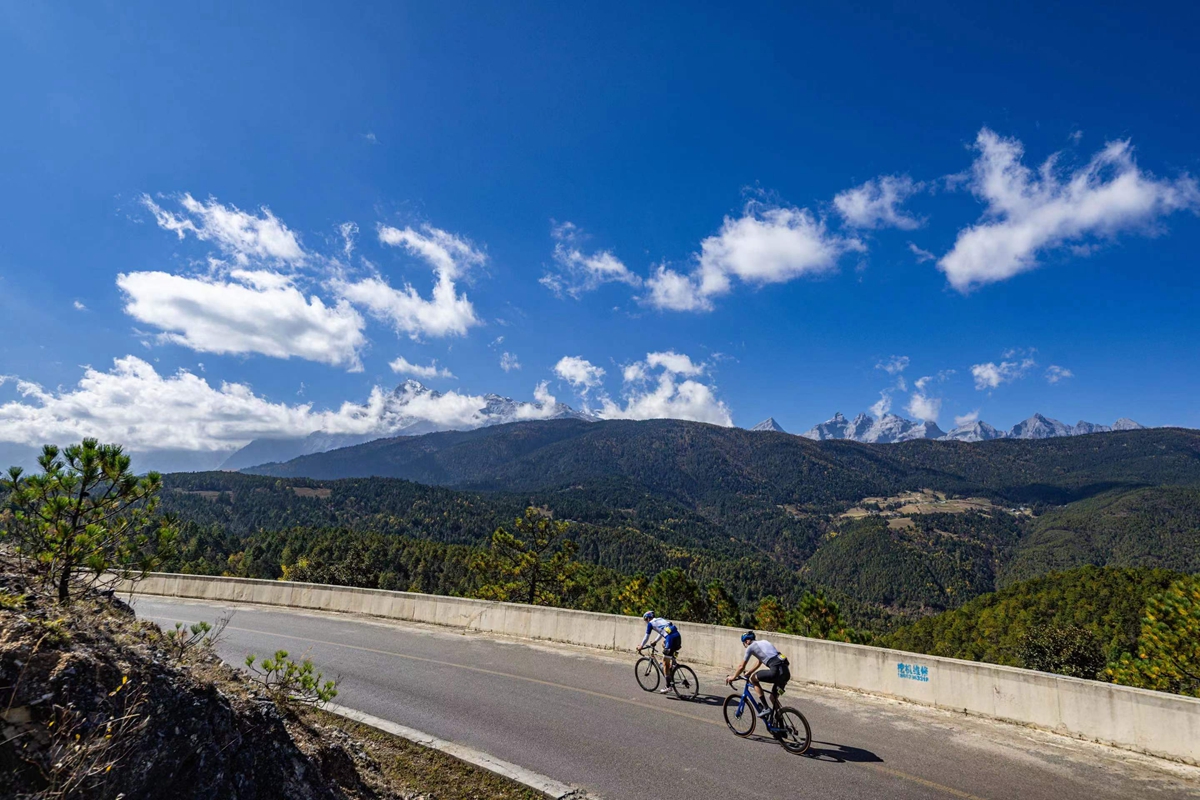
407 413
892 428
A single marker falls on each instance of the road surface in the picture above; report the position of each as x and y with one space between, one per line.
579 717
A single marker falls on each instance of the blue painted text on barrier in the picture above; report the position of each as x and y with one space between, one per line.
913 672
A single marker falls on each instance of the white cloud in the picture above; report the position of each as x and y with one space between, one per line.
509 362
966 419
349 231
764 245
247 312
402 366
674 395
371 137
244 237
1030 212
992 375
924 407
446 313
675 363
576 272
79 306
894 365
1055 373
883 405
579 372
135 406
922 255
876 204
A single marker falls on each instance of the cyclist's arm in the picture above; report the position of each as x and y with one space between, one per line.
742 669
646 638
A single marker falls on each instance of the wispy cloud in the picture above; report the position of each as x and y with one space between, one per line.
876 203
577 272
402 366
1055 373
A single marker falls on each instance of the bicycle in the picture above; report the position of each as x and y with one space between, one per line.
786 724
649 673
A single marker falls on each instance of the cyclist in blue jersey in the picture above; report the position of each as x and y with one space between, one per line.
777 671
665 630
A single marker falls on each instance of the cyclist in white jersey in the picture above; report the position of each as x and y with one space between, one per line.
671 639
777 671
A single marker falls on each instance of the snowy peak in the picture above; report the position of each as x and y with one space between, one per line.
1039 427
892 428
769 424
836 427
865 428
977 431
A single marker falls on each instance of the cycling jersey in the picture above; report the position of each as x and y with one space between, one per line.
763 650
663 627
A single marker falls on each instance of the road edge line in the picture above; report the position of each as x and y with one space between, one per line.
539 783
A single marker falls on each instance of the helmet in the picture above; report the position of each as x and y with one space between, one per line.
748 636
648 615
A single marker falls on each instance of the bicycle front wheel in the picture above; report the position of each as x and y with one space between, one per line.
686 685
742 725
794 733
647 674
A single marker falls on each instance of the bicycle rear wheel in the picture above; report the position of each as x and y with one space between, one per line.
794 733
743 725
647 675
684 680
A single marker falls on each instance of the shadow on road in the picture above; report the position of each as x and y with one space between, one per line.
827 751
702 699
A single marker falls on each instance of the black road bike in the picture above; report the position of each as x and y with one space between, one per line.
650 673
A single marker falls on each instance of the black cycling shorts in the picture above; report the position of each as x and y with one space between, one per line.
777 673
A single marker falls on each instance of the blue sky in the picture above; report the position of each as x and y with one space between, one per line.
793 200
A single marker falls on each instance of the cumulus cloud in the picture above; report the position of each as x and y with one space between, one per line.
992 375
672 394
402 366
876 204
579 372
1055 373
79 306
576 272
966 419
764 245
447 312
249 311
240 235
145 411
509 362
1027 212
894 365
924 407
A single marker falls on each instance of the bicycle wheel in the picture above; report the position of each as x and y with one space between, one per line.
743 725
686 685
794 733
647 674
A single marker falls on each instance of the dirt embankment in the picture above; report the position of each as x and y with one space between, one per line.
95 703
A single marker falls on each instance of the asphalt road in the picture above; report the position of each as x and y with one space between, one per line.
580 718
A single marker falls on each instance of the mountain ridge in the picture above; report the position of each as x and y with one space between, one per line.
891 428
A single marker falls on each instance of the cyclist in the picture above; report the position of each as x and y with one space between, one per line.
777 671
672 641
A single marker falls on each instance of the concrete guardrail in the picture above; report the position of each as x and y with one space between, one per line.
1156 723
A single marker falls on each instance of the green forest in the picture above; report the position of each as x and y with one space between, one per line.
1064 555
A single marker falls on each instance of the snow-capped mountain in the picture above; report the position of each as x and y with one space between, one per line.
411 409
892 428
865 428
769 424
1039 427
977 431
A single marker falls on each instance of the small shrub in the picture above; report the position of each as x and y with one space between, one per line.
290 682
184 640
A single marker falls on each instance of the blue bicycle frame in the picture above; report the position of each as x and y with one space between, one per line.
748 697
